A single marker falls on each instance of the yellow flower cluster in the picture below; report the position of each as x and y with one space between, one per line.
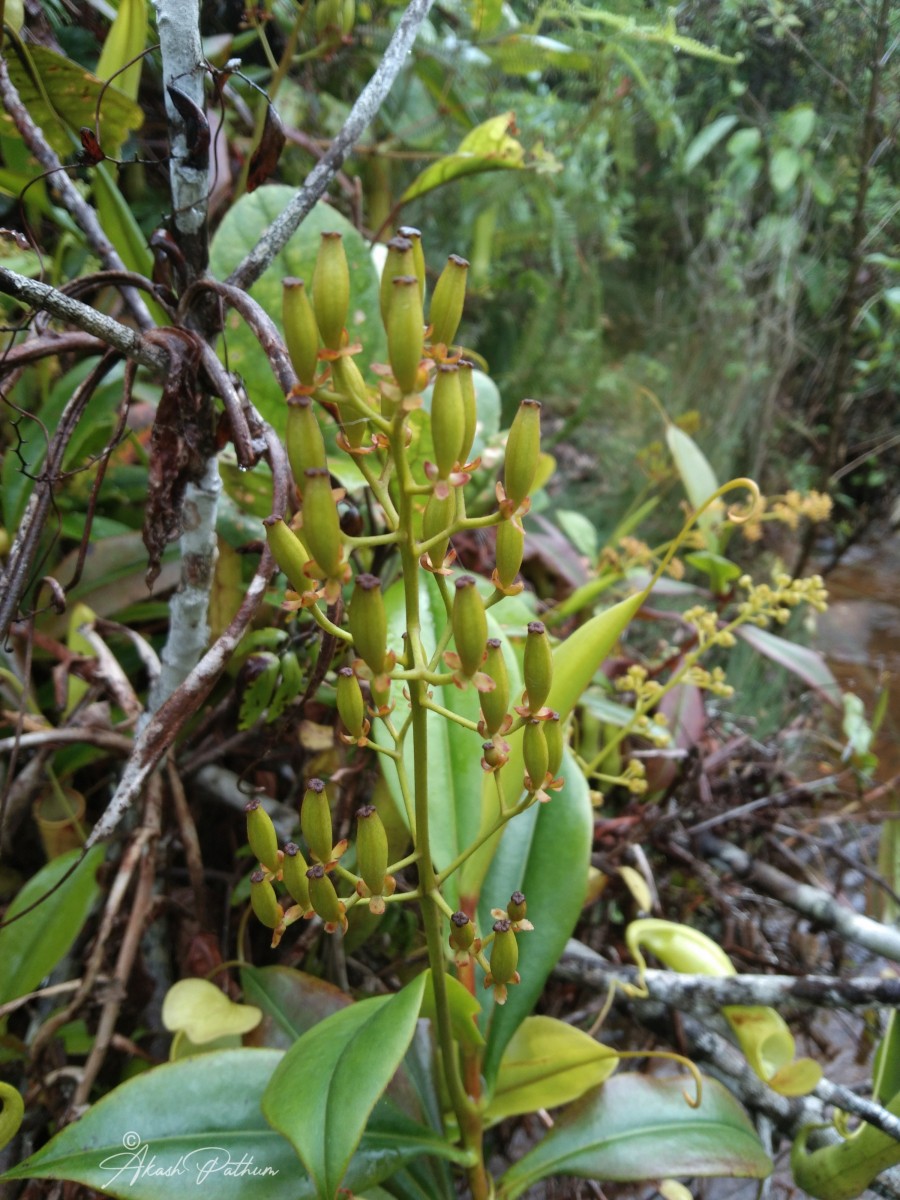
774 602
788 509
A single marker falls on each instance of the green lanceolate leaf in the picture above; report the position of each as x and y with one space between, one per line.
634 1128
807 664
31 947
544 853
547 1063
324 1090
488 147
464 1010
698 478
238 233
291 1002
126 39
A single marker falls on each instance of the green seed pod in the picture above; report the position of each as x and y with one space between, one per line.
289 552
440 512
264 902
329 19
400 260
510 548
504 953
323 897
304 441
470 406
315 821
448 418
414 236
462 932
301 333
293 869
495 704
331 289
368 622
517 909
448 300
523 452
321 522
553 732
535 752
350 705
261 836
371 848
537 667
405 330
350 383
469 625
348 13
493 757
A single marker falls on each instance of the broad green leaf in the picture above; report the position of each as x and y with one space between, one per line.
634 1128
698 479
544 853
580 530
719 570
744 143
31 947
73 92
707 140
808 665
291 1003
784 167
325 1088
455 776
485 16
490 146
797 124
125 40
238 234
547 1063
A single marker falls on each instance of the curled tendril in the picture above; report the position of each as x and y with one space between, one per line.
694 1101
738 515
11 1114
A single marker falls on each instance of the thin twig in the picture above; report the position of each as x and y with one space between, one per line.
361 115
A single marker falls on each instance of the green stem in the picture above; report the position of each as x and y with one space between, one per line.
451 716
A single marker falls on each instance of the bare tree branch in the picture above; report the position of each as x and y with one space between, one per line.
361 115
34 294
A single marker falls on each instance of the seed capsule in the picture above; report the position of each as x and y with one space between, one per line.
368 622
315 821
264 902
470 406
289 552
523 452
535 752
321 523
504 953
537 667
331 289
495 704
493 757
405 330
261 835
350 383
448 418
553 732
448 301
399 261
350 705
294 867
439 514
301 333
323 897
371 848
414 236
510 548
303 438
469 625
462 932
517 909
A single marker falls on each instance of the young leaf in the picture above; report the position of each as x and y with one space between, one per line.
125 40
697 476
707 139
31 947
547 1063
634 1128
490 146
325 1088
265 157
